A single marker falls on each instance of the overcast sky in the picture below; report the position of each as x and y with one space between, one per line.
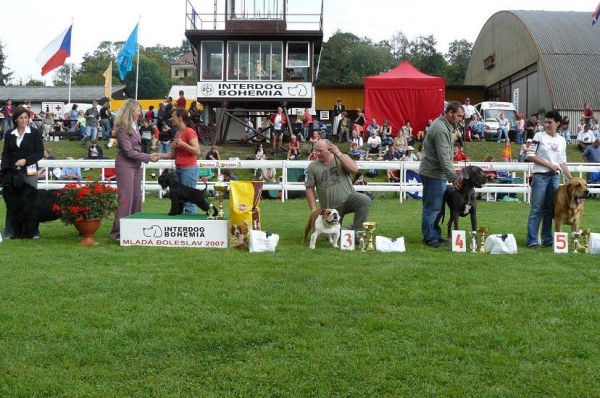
27 27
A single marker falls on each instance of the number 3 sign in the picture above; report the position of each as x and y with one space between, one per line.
347 239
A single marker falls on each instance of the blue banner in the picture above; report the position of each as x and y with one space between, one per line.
125 56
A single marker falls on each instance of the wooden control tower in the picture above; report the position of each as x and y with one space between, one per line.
253 55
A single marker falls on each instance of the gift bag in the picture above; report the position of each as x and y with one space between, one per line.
262 241
387 245
244 211
594 243
499 244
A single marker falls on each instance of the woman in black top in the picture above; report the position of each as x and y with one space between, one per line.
165 137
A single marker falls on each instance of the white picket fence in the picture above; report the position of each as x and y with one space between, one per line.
517 182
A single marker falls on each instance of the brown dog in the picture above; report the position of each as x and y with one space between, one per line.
326 221
568 203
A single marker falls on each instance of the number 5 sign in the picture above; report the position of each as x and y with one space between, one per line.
459 241
561 242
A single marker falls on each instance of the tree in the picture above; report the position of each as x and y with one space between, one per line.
153 82
423 55
458 57
35 83
61 76
4 76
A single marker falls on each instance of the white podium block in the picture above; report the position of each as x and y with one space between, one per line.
459 241
561 242
347 239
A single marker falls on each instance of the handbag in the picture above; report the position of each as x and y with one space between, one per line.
262 241
388 245
500 244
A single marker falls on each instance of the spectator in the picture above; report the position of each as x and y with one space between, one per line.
502 127
469 112
147 133
374 127
213 154
7 124
42 172
293 149
113 138
374 142
110 175
420 153
477 129
360 180
459 155
105 121
565 129
343 130
386 133
307 120
71 173
165 137
520 129
92 115
355 152
338 109
427 127
312 142
48 122
400 144
248 129
524 149
588 114
591 154
409 156
74 116
358 122
530 126
356 139
149 115
278 121
95 151
260 152
268 174
81 121
585 138
181 101
313 155
407 132
392 154
194 112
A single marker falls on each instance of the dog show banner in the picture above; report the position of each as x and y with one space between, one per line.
184 230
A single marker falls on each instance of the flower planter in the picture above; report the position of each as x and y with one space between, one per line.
87 229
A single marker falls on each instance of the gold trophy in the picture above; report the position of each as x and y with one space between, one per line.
370 227
576 235
482 231
473 241
221 188
586 239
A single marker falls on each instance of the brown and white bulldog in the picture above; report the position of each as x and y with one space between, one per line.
325 221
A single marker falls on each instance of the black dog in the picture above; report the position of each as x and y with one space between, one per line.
463 202
180 194
25 206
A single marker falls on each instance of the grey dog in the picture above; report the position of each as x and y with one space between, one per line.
180 194
463 202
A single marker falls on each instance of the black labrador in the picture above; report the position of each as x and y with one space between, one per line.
463 202
180 194
26 207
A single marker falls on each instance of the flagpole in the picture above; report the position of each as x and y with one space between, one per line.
137 67
70 68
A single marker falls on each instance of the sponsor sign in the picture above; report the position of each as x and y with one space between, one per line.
174 232
249 90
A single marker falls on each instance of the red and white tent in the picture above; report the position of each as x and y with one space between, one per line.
404 93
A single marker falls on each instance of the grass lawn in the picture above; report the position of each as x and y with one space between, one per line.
133 321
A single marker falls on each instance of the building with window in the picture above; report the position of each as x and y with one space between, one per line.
253 56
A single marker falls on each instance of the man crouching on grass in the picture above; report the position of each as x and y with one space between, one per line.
330 176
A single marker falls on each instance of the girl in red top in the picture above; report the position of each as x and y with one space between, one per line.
459 155
186 150
294 148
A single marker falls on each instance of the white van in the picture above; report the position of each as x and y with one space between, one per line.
489 111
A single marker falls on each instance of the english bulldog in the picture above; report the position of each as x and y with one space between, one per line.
325 221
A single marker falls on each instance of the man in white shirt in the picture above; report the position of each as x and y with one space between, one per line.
469 111
585 138
374 142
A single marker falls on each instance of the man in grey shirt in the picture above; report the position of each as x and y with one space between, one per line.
436 168
92 116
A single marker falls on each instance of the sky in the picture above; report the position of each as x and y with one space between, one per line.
26 28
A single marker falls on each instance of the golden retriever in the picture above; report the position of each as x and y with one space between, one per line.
568 203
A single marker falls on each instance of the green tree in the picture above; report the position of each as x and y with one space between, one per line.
458 57
5 75
153 82
35 82
61 75
423 55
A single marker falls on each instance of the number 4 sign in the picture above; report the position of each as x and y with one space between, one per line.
459 241
561 242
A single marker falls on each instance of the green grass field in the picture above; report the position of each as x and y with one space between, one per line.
134 321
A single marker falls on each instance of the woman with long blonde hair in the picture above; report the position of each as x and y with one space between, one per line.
127 163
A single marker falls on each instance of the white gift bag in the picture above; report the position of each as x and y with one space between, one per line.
594 243
499 244
387 245
262 241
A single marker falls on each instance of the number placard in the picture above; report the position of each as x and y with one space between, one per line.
347 239
459 241
561 242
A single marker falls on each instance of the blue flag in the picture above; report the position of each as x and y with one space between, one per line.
125 57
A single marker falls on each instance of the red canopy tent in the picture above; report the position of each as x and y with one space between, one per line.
404 94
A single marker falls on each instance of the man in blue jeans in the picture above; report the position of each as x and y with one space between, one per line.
436 168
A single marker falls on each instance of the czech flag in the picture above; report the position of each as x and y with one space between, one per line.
55 53
595 15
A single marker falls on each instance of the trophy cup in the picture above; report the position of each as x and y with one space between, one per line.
576 235
586 239
210 211
361 240
482 231
221 188
370 227
473 241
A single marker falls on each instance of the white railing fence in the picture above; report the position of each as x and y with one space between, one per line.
517 182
